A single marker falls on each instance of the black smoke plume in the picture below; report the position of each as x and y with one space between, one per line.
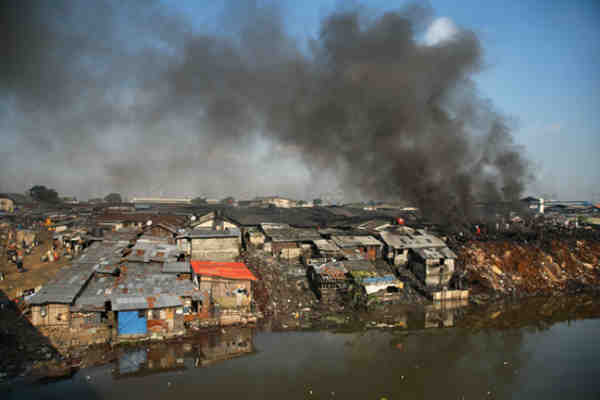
124 97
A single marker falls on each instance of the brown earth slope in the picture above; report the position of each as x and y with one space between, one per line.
525 269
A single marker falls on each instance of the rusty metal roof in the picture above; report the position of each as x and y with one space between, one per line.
65 287
148 302
180 267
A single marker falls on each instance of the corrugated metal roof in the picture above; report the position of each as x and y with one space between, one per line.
418 239
289 234
159 252
358 265
99 252
146 238
177 267
326 245
435 253
201 233
65 287
135 280
355 241
143 303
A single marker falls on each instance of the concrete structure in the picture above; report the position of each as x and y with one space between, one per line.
210 244
368 246
433 266
324 251
399 241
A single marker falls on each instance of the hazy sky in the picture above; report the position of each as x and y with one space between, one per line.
96 127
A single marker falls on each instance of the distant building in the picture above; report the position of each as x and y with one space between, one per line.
70 200
276 201
162 200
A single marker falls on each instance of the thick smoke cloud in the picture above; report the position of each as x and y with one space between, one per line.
144 100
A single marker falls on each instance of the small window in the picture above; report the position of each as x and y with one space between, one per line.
155 314
141 314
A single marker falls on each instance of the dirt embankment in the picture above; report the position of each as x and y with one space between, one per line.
505 267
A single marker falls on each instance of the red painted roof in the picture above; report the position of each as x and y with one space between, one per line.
229 270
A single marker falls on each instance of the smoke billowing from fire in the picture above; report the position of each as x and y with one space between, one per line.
126 97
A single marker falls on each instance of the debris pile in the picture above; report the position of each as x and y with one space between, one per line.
525 269
285 299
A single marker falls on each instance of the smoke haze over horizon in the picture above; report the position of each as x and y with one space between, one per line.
136 99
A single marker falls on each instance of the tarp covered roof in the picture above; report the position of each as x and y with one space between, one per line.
229 270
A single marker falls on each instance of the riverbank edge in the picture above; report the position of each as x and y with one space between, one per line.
70 360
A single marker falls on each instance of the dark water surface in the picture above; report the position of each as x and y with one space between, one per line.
540 359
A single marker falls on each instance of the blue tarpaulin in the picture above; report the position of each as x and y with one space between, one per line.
379 279
130 323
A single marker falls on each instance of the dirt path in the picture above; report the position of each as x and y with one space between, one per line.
36 272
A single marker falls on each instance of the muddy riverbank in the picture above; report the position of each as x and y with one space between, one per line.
539 348
532 313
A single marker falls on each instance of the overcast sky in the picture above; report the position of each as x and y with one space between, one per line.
539 69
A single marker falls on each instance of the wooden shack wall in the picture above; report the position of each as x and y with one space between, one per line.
164 320
223 291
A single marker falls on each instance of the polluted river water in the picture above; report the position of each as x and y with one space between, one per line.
537 349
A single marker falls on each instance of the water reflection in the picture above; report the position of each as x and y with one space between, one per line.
195 352
537 356
441 314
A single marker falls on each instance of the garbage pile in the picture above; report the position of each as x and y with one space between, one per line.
287 300
541 267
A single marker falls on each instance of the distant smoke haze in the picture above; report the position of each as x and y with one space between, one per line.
101 97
